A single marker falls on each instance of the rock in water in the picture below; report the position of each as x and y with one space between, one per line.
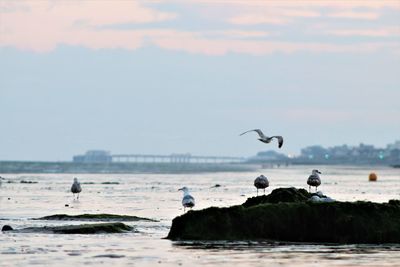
94 228
280 195
94 217
6 228
288 215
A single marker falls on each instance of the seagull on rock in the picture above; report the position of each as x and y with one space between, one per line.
266 139
187 200
314 180
76 187
261 182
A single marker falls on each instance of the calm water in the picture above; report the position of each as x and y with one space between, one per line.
155 196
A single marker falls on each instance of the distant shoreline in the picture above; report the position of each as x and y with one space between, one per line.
16 167
120 167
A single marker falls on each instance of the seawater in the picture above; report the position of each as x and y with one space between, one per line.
155 196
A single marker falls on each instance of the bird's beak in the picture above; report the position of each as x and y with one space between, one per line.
180 189
319 172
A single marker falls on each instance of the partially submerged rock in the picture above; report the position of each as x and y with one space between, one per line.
95 217
280 195
288 215
28 182
6 228
290 194
96 228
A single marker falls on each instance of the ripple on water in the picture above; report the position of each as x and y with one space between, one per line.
155 196
113 256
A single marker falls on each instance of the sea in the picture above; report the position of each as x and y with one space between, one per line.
156 196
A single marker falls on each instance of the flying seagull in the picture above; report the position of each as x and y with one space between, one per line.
187 200
314 180
76 187
261 182
266 139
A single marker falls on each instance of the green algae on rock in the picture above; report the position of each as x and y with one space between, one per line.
94 217
287 215
95 228
280 195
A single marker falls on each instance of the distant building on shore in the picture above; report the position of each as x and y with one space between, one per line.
362 154
94 156
347 155
395 145
344 154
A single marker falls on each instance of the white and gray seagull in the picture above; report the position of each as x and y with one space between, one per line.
187 200
266 139
261 182
314 180
76 187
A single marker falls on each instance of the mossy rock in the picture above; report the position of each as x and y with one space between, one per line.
95 228
94 217
266 218
280 195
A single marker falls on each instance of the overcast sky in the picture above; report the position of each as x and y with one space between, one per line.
190 76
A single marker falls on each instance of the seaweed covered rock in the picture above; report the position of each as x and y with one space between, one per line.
6 228
280 195
95 228
287 215
94 217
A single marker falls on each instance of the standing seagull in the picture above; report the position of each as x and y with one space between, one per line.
187 200
261 182
266 139
314 180
76 187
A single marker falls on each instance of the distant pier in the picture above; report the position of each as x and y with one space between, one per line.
175 158
102 156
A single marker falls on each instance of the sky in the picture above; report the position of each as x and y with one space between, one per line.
189 76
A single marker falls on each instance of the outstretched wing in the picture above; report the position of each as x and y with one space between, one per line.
260 133
280 140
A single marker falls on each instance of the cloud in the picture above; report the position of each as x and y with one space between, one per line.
377 32
193 44
251 19
371 4
355 15
41 26
94 13
272 16
235 34
284 12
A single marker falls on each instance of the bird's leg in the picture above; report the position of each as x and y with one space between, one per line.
257 191
264 191
78 196
309 189
73 195
184 209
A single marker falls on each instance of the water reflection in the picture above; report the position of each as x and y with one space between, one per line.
155 196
